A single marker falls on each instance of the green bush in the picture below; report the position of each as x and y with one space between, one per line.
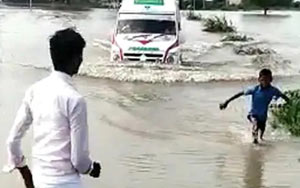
218 24
191 15
234 37
287 116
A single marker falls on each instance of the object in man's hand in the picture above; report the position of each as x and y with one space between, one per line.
11 166
223 106
96 169
27 176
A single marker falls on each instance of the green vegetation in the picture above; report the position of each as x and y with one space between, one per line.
191 15
65 4
235 37
287 116
218 25
231 7
253 50
267 4
206 5
184 4
245 5
192 4
296 4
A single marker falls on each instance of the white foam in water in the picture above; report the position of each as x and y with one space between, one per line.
162 73
197 71
103 44
190 51
214 68
280 134
158 73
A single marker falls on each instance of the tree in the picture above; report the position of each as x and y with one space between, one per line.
267 4
191 4
296 4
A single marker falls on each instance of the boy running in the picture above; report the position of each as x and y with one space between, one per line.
262 95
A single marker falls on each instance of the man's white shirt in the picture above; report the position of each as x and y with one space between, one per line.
58 116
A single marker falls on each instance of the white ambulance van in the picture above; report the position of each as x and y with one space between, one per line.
147 31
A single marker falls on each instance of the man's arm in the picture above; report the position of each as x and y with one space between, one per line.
225 104
79 140
15 156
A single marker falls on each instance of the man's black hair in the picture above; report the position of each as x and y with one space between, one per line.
64 45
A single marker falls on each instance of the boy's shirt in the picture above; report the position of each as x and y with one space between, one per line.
261 98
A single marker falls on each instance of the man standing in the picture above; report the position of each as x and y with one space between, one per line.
58 115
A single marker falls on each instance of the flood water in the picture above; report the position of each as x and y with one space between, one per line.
159 126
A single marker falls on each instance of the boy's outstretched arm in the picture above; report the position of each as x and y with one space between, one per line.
225 104
286 98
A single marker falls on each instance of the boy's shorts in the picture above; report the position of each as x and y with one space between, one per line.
261 125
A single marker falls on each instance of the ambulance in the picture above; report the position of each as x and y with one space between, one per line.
147 31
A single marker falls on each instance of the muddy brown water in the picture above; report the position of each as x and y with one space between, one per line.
151 135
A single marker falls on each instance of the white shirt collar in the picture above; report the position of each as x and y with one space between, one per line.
63 76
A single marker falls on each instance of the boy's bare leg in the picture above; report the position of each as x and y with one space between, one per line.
254 130
262 131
